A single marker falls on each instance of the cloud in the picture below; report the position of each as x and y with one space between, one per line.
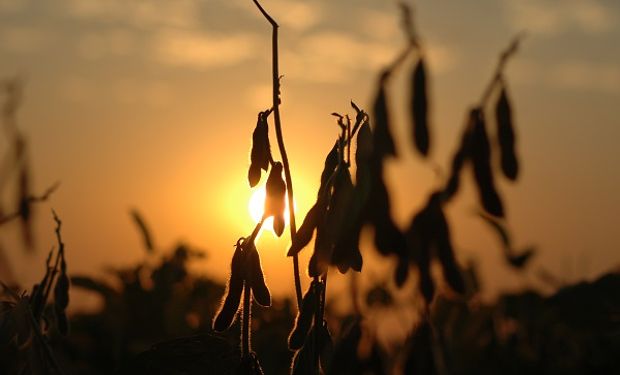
23 39
586 76
552 17
115 42
142 14
202 50
573 75
334 56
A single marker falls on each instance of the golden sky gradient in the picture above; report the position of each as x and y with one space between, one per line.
151 105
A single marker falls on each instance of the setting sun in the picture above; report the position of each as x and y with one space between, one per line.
256 207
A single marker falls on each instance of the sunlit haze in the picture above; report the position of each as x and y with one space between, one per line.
151 105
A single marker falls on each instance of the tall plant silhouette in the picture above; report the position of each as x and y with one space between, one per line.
343 208
246 276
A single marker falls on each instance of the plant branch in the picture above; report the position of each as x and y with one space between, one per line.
280 138
31 199
499 70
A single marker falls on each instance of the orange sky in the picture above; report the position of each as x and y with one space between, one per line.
151 105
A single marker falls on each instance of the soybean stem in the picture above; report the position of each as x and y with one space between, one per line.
280 138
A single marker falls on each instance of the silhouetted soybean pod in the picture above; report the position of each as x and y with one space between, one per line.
419 242
260 291
445 253
383 144
226 315
261 152
276 198
62 322
61 290
303 321
458 160
326 347
506 136
419 108
402 271
306 230
331 162
481 158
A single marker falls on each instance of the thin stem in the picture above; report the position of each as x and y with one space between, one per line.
497 75
280 138
245 322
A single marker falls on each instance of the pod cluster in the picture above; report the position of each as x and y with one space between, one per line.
245 268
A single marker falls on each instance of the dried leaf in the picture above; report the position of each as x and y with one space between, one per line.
226 315
303 321
419 108
481 158
306 230
506 136
256 278
383 143
144 230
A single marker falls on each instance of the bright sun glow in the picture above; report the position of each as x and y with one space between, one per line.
256 207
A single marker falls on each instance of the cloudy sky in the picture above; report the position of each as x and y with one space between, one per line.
151 104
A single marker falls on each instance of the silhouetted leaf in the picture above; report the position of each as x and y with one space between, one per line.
383 144
276 198
226 315
303 321
304 234
144 230
506 136
481 158
419 108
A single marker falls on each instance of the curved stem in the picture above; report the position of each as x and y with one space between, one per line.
280 138
497 75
